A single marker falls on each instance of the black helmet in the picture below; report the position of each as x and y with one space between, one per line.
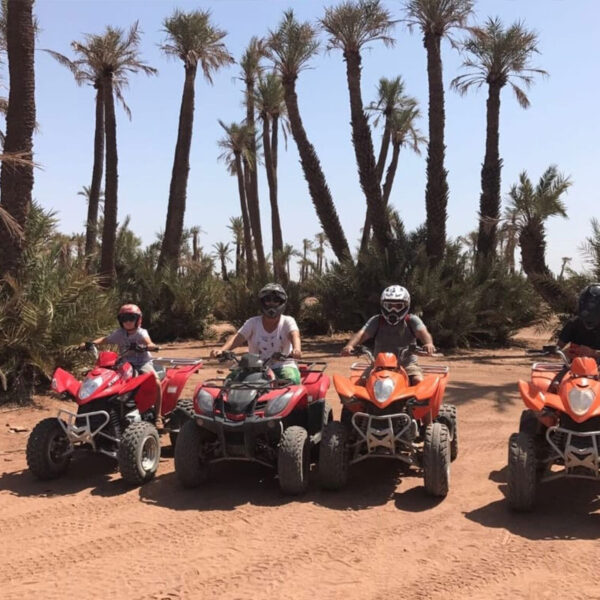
272 299
589 306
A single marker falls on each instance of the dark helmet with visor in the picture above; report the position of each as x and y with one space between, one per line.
589 306
272 299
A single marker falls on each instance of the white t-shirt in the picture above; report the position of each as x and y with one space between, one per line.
265 344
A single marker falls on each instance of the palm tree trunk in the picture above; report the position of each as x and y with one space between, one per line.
274 142
238 261
195 249
277 242
383 150
436 193
532 239
91 232
16 182
318 188
252 189
171 245
224 269
489 202
109 232
365 153
245 219
391 172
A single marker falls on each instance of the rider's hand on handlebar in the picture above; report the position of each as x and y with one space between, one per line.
429 349
296 354
347 350
216 353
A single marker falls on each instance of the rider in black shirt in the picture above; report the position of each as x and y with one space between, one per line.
583 330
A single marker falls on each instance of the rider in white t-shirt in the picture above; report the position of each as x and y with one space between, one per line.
269 333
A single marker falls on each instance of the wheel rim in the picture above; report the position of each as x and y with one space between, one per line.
149 454
57 448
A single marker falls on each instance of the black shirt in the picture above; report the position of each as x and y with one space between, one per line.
575 331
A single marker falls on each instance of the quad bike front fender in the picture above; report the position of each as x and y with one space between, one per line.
532 396
346 389
172 386
63 381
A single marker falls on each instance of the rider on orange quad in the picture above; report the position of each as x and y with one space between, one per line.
394 330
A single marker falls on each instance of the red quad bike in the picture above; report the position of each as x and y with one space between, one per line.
253 416
561 426
115 416
384 416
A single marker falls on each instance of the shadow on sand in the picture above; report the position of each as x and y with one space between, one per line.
372 483
95 472
564 510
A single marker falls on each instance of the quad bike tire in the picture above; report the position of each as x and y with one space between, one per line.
447 415
326 418
191 466
139 453
44 456
529 422
184 411
333 457
293 460
436 459
522 471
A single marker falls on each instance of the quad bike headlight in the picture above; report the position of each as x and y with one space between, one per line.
581 400
88 387
205 402
278 404
383 389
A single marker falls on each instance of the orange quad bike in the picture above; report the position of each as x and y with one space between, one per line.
560 427
384 416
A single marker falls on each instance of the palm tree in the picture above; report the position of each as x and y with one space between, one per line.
236 225
222 252
195 41
591 250
16 180
510 232
271 107
390 97
287 254
290 48
305 262
495 56
106 60
88 69
321 240
351 25
195 233
403 133
251 69
565 261
533 206
436 19
236 150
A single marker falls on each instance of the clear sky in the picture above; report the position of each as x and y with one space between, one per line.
561 126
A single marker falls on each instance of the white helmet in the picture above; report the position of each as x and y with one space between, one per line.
395 302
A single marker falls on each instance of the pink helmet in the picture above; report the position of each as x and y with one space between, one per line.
130 312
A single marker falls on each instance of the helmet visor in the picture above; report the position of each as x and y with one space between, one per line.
394 306
272 300
131 317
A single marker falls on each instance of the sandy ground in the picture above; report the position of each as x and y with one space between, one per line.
90 536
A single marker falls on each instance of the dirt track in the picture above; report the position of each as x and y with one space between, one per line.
89 536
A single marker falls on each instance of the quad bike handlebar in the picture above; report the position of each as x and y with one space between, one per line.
133 347
229 355
550 350
410 349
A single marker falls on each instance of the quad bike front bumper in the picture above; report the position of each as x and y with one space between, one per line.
80 430
577 451
388 436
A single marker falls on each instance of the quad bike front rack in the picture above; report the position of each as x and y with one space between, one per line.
375 438
85 434
575 459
